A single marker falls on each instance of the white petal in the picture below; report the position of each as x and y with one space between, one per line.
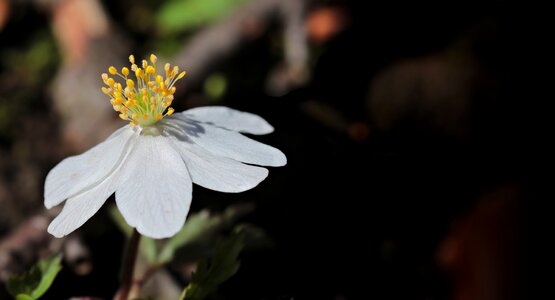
77 210
228 143
81 207
230 118
77 173
156 188
216 172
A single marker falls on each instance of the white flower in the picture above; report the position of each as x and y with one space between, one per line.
151 167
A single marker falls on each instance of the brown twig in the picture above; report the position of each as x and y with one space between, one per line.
128 266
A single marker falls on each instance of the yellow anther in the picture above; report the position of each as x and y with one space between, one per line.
144 91
167 67
124 117
165 93
106 90
133 123
130 83
159 116
172 90
170 111
104 77
153 58
110 82
117 101
135 116
145 63
119 87
150 70
133 67
125 71
145 116
175 70
181 75
129 103
132 59
112 70
150 84
139 73
145 99
159 79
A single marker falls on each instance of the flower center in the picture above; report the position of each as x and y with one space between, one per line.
147 100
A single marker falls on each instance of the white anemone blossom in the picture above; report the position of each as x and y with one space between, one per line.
151 165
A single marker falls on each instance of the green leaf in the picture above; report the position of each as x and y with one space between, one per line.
201 227
34 283
211 273
180 15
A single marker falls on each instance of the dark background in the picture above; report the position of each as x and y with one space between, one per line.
415 150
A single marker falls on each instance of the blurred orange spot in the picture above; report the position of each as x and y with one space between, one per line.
325 22
4 12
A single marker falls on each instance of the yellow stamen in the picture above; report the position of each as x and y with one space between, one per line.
130 83
112 70
117 101
143 100
139 73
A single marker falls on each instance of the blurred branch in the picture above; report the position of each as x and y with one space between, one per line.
23 245
218 42
89 44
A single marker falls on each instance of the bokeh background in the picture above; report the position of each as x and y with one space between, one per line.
414 134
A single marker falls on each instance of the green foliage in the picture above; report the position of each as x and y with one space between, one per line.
211 273
34 283
215 86
181 15
200 228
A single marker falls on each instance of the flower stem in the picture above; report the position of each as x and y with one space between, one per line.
128 266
